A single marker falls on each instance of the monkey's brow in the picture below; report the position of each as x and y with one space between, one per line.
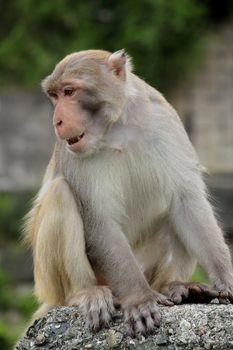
76 82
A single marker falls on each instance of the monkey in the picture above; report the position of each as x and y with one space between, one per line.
123 214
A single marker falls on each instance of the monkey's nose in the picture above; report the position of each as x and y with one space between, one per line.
59 123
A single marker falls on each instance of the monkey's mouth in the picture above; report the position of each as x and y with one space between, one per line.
75 139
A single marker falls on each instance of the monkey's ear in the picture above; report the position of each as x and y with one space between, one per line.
117 63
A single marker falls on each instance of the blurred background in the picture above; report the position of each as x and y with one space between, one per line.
182 47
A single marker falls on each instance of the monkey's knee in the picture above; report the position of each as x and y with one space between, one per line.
96 303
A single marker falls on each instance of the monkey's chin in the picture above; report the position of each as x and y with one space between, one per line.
83 150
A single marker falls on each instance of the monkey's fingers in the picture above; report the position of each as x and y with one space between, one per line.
99 317
149 320
142 319
97 305
136 322
93 320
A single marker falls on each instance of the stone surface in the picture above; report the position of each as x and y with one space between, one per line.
183 327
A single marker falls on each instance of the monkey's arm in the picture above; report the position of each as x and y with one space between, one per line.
111 254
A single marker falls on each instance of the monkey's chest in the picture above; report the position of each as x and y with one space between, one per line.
134 201
144 217
145 204
123 190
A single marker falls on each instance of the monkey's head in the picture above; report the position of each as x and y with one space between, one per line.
88 91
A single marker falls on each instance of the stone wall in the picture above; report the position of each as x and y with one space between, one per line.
26 140
205 103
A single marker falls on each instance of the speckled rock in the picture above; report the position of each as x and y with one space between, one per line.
182 327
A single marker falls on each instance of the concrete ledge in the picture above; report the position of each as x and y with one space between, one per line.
183 327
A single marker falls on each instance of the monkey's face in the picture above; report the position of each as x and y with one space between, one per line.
87 90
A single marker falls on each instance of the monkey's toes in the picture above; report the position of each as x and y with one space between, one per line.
192 292
162 299
176 292
142 319
225 294
201 293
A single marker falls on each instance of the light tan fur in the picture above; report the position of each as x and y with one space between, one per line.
54 278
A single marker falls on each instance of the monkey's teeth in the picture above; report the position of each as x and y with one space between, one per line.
75 139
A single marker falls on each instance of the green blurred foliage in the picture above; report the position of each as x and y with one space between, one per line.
22 305
13 206
13 304
199 275
162 36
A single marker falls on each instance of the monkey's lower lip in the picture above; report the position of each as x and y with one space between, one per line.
75 139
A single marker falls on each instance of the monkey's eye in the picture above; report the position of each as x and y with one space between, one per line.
52 95
68 92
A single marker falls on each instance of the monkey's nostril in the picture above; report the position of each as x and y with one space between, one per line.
59 123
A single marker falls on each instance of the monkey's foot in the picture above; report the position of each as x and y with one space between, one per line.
97 304
225 293
192 292
142 317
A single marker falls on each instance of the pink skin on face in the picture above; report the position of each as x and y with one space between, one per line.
67 120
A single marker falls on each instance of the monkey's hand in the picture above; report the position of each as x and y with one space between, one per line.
96 303
143 315
191 292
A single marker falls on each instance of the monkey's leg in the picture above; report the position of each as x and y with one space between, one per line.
63 274
195 225
61 264
172 267
171 262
